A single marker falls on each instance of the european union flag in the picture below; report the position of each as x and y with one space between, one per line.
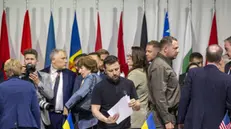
68 124
149 123
50 41
75 48
166 26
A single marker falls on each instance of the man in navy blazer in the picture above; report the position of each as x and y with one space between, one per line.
64 88
206 95
19 106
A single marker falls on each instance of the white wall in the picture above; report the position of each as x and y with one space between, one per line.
63 11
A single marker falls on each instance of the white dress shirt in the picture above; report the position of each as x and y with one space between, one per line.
59 97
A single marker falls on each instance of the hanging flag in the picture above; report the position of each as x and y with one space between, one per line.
50 41
166 26
144 33
213 33
68 124
26 35
4 43
98 44
225 124
120 46
75 48
149 123
187 43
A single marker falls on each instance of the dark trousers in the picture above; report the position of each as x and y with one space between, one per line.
57 120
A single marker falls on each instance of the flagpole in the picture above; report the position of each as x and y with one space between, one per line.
51 5
123 10
167 6
4 4
97 5
214 6
144 5
74 4
27 1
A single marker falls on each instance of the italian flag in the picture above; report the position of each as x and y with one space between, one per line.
187 43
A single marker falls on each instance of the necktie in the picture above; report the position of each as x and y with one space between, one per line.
56 86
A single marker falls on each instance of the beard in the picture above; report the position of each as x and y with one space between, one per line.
114 79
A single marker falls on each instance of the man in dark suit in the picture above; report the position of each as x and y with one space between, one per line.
206 94
1 76
19 108
62 85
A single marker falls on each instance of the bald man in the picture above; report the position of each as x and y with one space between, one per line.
206 95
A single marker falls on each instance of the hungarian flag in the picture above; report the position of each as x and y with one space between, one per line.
213 33
4 42
187 43
98 43
26 35
120 46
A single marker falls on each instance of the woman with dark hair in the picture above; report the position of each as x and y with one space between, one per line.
138 74
88 70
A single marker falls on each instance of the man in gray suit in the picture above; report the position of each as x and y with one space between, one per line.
42 83
164 90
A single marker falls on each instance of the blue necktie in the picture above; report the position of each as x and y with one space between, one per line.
56 86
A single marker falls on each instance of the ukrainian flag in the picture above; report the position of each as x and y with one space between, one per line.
75 48
149 123
68 123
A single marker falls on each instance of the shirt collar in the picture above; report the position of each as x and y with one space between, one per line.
167 60
53 70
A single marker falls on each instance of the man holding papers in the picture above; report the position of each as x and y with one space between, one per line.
108 92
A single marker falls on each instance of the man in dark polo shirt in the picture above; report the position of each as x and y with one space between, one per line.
108 92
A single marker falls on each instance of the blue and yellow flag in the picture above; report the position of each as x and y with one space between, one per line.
68 124
166 26
75 48
149 123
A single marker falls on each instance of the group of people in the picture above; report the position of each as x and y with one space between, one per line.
42 99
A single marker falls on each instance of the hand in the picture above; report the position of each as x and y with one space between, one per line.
180 126
65 111
113 119
34 78
134 104
169 126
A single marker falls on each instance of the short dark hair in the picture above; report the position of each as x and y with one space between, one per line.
195 55
191 64
154 43
94 53
111 59
228 39
80 55
138 58
214 53
31 51
166 40
89 63
102 51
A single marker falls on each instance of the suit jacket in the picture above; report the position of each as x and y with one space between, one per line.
68 82
205 98
227 67
1 76
182 79
45 93
18 104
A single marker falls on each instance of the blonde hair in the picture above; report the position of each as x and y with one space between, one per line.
12 67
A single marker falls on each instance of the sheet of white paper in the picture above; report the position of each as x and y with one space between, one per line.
122 108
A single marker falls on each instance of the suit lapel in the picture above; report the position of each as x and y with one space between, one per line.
65 83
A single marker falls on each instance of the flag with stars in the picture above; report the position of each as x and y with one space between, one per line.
166 26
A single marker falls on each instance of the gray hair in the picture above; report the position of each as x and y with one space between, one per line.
56 51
